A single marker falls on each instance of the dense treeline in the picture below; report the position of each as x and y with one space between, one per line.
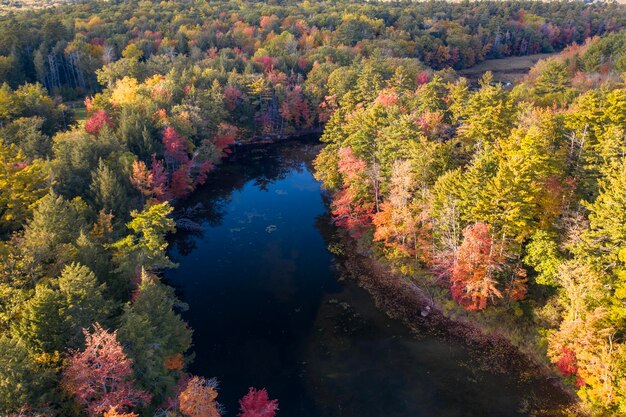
85 213
514 199
86 325
64 48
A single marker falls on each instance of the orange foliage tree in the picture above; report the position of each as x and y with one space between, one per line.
477 265
114 413
198 399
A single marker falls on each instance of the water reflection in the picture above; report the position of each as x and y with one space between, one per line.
269 309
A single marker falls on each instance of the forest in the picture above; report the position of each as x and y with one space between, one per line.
506 203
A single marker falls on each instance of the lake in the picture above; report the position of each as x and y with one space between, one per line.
270 309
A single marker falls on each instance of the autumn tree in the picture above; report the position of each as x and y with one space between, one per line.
100 376
198 398
352 208
113 412
475 273
586 348
142 179
97 121
21 184
295 108
398 221
256 403
175 147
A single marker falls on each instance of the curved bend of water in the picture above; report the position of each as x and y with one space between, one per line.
268 309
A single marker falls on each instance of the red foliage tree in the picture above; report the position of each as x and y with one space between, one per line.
174 362
181 184
97 121
350 214
351 208
474 272
326 108
296 108
176 148
387 98
350 165
232 96
159 180
422 78
101 376
267 61
302 63
265 120
567 362
256 403
203 171
226 135
267 21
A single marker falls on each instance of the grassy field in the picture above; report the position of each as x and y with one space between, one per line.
79 110
80 113
504 69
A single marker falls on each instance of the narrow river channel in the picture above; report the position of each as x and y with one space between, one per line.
269 309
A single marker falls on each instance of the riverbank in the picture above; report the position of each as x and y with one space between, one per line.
269 139
403 300
392 293
272 307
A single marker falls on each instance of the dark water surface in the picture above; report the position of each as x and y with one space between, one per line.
269 310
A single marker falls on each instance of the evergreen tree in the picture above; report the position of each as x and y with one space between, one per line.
55 317
41 325
23 381
152 332
146 246
56 222
554 79
488 114
83 301
108 191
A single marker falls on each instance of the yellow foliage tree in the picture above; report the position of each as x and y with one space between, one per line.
125 92
21 185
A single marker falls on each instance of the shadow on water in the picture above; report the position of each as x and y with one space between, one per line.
269 309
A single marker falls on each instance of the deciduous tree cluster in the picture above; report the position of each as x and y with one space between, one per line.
508 197
512 198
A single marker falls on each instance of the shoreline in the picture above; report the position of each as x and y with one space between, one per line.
403 300
270 139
